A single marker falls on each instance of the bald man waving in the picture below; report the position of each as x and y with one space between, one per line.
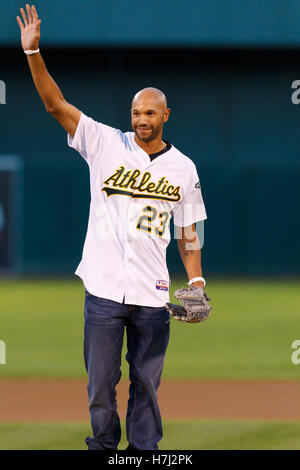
138 182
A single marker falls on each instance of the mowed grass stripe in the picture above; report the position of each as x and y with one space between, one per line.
178 435
248 335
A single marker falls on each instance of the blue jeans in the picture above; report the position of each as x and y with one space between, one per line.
147 330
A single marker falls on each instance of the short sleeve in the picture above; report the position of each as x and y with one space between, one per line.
191 209
91 137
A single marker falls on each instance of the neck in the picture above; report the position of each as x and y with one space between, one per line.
153 146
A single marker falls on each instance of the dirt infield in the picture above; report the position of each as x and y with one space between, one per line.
66 400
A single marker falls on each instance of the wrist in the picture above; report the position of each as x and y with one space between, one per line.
197 282
32 51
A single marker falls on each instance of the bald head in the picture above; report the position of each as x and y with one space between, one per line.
149 112
151 94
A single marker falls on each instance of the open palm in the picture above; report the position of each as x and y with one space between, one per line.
30 30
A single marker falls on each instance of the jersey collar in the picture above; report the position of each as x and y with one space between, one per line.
146 155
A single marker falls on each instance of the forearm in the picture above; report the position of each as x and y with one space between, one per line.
191 260
65 113
44 83
189 248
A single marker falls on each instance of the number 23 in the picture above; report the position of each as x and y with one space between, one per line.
145 221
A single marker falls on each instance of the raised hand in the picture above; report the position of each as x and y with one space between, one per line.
30 30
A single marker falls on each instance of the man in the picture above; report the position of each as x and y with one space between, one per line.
138 181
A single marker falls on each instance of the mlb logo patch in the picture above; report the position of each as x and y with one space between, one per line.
162 285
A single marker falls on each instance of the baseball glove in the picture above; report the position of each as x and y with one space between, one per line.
195 307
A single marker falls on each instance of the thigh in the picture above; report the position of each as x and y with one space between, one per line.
147 339
104 322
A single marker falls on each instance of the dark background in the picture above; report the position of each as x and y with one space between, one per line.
229 90
5 258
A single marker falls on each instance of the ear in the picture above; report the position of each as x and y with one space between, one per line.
166 114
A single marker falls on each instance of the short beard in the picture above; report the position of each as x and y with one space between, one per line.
152 136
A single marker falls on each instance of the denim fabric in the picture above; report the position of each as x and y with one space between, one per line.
147 330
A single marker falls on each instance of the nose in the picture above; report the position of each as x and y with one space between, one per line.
142 121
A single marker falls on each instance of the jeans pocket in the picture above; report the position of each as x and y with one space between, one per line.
99 311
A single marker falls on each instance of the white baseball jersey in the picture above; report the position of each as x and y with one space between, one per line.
132 202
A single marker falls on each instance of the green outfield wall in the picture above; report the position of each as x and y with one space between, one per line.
189 23
231 112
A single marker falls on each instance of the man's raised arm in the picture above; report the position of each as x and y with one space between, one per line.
66 114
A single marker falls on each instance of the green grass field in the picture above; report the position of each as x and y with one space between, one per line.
248 335
178 435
